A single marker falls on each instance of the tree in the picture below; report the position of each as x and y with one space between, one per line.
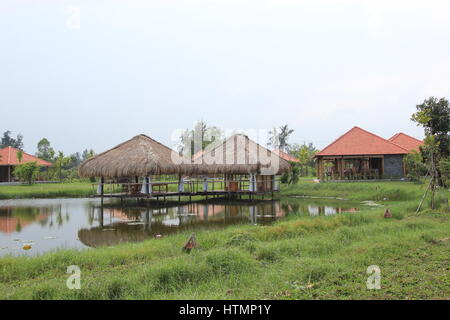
20 155
305 154
60 162
274 139
44 150
8 141
27 171
199 138
75 159
278 137
87 154
285 132
434 116
295 174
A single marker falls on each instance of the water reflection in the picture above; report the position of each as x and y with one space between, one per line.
50 224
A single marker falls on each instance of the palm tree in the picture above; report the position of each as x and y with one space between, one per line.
19 155
285 132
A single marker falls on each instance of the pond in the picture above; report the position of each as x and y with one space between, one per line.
42 225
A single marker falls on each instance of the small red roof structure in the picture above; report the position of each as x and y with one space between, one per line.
285 156
8 157
407 142
358 141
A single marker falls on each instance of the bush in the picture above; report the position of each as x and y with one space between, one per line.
27 171
415 166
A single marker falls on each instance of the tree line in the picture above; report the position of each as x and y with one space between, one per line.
202 136
64 168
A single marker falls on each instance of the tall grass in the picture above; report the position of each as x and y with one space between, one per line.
375 191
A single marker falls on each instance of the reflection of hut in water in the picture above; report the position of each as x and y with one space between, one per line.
116 233
98 237
119 225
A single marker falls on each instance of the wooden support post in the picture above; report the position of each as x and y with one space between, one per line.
179 187
101 215
102 180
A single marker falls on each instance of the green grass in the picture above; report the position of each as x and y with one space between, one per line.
49 190
376 191
297 258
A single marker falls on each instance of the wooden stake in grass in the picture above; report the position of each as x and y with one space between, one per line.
388 214
190 244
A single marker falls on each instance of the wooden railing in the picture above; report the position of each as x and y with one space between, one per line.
190 186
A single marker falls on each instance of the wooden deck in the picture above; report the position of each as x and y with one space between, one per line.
208 193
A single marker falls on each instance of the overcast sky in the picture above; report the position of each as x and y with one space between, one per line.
156 66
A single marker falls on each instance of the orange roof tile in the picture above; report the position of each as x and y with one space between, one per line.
358 141
8 157
407 142
285 156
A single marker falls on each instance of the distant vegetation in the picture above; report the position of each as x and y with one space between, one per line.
8 141
64 169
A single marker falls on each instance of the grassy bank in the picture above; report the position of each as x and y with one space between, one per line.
376 191
48 190
297 258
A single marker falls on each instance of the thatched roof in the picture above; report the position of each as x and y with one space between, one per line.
240 155
140 156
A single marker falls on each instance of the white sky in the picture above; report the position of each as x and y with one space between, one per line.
156 66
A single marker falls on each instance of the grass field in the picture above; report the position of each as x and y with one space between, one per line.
296 258
49 190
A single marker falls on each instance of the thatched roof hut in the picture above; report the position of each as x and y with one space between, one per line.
240 155
140 156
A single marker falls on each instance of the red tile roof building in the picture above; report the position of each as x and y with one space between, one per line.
9 159
285 156
407 142
360 154
358 141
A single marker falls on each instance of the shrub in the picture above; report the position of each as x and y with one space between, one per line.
27 171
